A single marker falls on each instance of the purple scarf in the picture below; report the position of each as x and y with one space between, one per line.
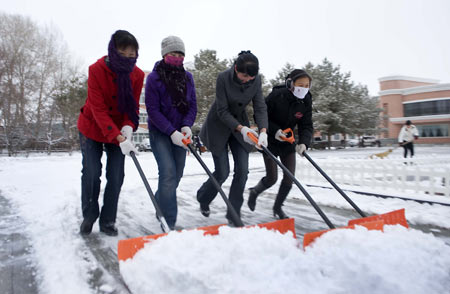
174 78
123 66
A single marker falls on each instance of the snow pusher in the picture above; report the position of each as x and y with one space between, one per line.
127 248
375 222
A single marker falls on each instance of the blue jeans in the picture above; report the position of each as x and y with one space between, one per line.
171 160
207 192
92 152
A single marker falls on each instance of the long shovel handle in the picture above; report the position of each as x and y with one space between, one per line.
159 214
334 185
235 217
288 172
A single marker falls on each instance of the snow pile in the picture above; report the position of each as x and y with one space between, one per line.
255 260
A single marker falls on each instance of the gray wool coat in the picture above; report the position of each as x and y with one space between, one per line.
228 111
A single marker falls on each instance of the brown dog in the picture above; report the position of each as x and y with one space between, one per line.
382 154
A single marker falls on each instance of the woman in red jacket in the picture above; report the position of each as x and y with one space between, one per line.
106 123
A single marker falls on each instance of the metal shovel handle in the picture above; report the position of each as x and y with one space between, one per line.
290 175
159 214
334 185
234 216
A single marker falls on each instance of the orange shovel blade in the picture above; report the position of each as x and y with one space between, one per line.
391 218
308 238
127 248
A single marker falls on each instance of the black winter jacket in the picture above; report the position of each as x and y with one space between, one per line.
287 111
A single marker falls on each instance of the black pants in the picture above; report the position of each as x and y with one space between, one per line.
408 146
92 152
271 177
208 191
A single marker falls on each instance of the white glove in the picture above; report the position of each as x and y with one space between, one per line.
186 131
300 148
245 131
127 131
280 136
127 146
177 139
262 139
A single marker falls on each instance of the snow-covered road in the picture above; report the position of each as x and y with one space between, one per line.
40 216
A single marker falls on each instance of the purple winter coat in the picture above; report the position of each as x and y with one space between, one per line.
162 115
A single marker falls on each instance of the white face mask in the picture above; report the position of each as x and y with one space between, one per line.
300 92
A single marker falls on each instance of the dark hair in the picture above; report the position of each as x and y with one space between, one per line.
408 122
247 63
123 39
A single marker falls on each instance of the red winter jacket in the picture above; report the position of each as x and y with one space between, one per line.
99 119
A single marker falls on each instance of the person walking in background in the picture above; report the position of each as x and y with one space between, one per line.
172 107
288 106
227 124
106 122
407 135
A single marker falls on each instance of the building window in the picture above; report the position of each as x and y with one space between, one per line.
139 137
337 136
427 108
429 131
142 98
143 117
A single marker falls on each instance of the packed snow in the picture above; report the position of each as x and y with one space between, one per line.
256 260
44 191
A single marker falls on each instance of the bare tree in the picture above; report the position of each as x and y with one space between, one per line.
34 61
17 39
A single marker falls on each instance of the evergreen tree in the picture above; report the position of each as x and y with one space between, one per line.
207 67
366 114
69 98
266 86
280 79
341 106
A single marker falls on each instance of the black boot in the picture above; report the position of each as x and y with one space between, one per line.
254 192
204 209
252 199
278 211
109 229
86 227
281 196
230 219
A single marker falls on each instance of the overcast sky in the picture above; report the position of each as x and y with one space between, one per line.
371 39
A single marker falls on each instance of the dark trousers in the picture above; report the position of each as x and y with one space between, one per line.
271 177
208 191
92 152
408 146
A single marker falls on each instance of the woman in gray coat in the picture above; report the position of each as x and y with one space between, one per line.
227 125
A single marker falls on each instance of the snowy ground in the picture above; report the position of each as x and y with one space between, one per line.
41 250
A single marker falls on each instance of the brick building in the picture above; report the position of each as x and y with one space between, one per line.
425 102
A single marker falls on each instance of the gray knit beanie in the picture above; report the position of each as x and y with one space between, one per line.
171 44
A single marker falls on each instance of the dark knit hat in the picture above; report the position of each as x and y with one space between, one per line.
172 44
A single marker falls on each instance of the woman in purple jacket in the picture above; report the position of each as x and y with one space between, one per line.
172 107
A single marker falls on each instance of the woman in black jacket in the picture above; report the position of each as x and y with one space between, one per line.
287 106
